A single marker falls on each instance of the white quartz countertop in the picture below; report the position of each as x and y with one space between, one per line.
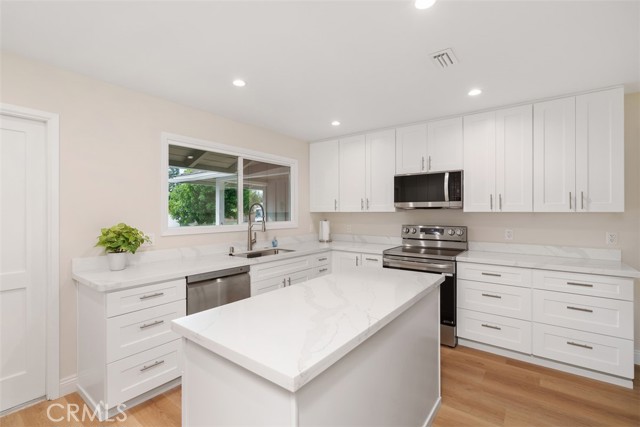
558 263
291 335
175 264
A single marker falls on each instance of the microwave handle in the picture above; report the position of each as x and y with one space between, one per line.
446 186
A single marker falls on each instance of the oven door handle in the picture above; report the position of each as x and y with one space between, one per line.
418 266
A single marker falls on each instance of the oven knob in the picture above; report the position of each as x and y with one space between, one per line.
450 232
405 230
413 231
459 231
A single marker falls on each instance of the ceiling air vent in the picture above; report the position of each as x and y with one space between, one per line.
444 58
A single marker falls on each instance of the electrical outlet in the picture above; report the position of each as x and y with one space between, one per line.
347 228
508 234
611 238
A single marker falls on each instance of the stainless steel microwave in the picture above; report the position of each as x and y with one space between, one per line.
428 190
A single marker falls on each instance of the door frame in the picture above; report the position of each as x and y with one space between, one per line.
52 241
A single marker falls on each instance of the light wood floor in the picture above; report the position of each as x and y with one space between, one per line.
478 389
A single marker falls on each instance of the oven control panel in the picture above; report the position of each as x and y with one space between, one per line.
434 232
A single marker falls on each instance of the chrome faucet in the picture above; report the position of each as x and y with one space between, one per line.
252 240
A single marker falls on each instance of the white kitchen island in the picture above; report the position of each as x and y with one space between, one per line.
348 349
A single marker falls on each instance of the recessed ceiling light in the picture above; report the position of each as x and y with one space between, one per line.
424 4
335 123
190 157
474 92
239 83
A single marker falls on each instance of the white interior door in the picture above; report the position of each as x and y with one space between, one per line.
23 227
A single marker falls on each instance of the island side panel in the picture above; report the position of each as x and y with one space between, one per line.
391 379
217 392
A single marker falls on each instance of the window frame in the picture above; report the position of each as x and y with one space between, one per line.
242 153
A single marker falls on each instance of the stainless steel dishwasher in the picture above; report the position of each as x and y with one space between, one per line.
209 290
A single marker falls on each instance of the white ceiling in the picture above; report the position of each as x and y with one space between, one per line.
307 63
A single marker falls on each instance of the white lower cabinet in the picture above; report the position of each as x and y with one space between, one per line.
127 351
582 320
347 261
274 275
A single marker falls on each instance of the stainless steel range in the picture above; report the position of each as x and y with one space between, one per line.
433 249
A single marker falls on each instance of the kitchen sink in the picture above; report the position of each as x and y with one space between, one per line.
263 252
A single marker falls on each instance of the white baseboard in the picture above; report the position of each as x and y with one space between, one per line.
68 385
636 357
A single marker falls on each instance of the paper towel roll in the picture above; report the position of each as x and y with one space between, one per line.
324 231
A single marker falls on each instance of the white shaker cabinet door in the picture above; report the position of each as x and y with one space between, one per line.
514 159
345 261
479 162
324 179
444 145
380 165
352 174
600 151
411 149
554 156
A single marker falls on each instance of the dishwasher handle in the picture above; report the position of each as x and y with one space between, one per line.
202 277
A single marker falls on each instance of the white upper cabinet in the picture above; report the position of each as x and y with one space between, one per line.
444 145
579 153
479 162
324 182
554 153
352 174
432 147
514 159
411 149
380 168
498 172
600 151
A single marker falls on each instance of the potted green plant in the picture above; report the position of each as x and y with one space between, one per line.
117 241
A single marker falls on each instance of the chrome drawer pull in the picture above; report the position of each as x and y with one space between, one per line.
491 274
587 285
322 259
289 280
492 296
579 309
484 325
157 294
156 363
284 283
148 325
575 344
372 259
322 270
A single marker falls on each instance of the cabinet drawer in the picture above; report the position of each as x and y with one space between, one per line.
273 269
584 284
141 330
134 299
137 374
495 274
372 260
321 259
503 300
500 331
322 270
592 351
592 314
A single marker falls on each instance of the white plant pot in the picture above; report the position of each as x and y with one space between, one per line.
117 260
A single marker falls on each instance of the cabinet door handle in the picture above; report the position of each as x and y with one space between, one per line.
491 201
575 344
491 274
361 204
422 168
372 259
322 270
356 261
498 328
148 325
492 296
429 165
367 203
289 279
582 200
335 204
284 283
153 365
586 285
500 200
570 205
157 294
587 310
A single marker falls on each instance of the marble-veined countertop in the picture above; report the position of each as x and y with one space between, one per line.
291 335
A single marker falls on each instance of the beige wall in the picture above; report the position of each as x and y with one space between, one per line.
110 163
571 229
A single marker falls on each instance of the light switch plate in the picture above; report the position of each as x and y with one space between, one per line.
611 238
508 234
